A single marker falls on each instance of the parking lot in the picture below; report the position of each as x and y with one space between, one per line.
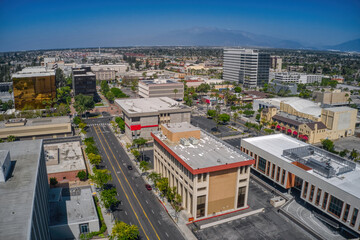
267 225
348 143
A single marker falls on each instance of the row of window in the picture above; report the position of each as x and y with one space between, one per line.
335 205
264 166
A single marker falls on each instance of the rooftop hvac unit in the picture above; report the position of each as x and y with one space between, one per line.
184 142
194 141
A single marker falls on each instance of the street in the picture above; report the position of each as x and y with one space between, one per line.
138 205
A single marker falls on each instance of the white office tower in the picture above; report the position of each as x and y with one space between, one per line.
246 66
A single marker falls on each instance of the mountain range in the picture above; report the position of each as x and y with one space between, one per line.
224 37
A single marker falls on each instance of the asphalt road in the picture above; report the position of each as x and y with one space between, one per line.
138 206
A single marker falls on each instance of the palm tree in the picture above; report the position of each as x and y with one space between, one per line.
176 91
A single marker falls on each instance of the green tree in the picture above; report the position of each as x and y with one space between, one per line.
249 113
163 184
90 148
53 181
59 78
175 92
343 153
237 89
104 87
83 103
224 118
100 177
95 159
177 205
76 120
211 113
11 138
354 154
140 143
136 153
123 231
82 175
108 197
120 123
110 96
328 145
144 166
155 177
89 140
82 125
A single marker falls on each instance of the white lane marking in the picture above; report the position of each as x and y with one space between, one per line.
125 213
152 211
146 202
166 234
159 222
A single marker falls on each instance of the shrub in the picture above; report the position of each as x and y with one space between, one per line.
82 175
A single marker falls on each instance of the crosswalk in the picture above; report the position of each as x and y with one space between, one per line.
98 124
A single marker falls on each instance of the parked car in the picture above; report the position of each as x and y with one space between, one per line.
129 167
148 187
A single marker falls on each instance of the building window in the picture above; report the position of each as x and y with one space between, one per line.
204 177
241 197
278 174
200 208
201 189
84 228
335 206
262 164
305 189
354 217
283 177
318 195
346 213
326 195
312 189
268 169
273 171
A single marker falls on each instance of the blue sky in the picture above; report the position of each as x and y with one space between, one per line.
48 24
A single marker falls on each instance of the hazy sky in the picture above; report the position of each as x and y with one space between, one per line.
48 24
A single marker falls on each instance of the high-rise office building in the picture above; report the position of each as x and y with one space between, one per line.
246 66
33 87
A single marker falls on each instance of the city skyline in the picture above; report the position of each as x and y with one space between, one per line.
29 25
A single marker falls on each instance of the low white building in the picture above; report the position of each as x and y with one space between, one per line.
72 212
324 180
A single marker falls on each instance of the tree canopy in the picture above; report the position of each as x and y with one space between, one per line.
83 103
123 231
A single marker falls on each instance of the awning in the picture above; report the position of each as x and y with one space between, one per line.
278 126
305 137
295 133
289 131
283 128
300 136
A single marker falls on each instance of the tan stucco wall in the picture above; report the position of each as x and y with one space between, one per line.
329 97
222 190
35 130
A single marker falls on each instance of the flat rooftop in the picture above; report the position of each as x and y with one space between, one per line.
149 105
209 152
34 72
180 127
304 106
76 206
41 121
69 154
159 81
17 193
343 173
340 109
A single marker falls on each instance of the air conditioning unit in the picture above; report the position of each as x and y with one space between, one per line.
184 142
194 141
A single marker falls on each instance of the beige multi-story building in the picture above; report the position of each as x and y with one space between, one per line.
276 63
334 97
161 88
145 115
211 176
105 74
301 121
26 129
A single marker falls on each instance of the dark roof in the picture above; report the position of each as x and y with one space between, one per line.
320 125
286 120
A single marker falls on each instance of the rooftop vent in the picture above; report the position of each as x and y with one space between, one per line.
194 141
184 142
5 165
